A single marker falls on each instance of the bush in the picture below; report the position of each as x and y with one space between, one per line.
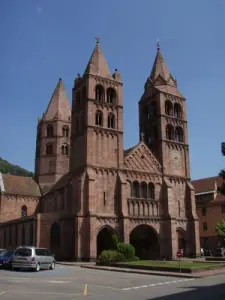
115 240
127 250
110 256
135 258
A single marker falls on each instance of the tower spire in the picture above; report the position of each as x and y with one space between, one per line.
158 45
97 64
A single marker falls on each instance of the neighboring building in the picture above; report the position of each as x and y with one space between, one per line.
94 188
210 209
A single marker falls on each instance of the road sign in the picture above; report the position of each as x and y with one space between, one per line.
179 253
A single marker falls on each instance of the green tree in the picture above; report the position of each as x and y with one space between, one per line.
221 189
220 230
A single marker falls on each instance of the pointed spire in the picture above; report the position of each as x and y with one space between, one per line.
59 106
160 70
97 64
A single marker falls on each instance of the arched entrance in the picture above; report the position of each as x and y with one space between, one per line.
181 241
105 239
55 238
145 240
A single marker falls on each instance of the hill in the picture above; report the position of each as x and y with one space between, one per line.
7 168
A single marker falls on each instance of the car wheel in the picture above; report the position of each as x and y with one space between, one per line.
38 267
52 267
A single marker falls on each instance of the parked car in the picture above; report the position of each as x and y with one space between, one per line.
2 250
29 257
219 252
6 258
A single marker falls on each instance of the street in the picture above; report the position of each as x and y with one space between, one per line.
67 282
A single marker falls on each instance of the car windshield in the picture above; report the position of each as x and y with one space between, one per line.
7 253
23 252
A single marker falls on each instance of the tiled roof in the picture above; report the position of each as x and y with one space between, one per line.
206 184
97 64
127 151
63 181
59 106
19 185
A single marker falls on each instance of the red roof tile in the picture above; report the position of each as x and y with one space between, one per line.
19 185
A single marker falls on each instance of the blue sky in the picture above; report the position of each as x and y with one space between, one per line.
47 39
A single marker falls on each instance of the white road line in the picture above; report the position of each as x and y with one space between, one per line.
56 281
2 293
156 284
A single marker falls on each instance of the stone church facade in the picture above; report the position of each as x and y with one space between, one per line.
86 187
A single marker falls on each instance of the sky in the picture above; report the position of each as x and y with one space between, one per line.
47 39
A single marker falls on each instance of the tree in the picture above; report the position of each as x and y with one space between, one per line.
220 230
221 189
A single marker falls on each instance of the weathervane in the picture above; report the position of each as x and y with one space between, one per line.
97 39
158 44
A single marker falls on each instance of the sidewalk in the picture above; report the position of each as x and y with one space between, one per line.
91 265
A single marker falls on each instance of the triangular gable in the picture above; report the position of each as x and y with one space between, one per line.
159 80
140 158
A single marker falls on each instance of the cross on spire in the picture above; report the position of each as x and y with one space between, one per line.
158 45
142 136
97 39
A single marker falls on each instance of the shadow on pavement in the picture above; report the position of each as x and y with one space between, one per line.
216 292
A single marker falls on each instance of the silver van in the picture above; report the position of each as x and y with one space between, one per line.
28 257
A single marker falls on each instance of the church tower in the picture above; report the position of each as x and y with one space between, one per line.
97 116
163 120
53 139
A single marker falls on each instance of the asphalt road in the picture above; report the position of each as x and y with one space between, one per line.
69 283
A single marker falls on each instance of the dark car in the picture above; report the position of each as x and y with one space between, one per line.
6 258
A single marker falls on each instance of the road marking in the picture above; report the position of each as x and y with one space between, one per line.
156 284
2 293
57 281
41 293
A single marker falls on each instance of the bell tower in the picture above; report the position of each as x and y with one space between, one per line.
163 120
97 116
53 139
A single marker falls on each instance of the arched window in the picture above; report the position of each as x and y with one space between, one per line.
98 118
111 96
111 121
23 211
169 132
178 208
179 136
146 113
84 94
168 108
153 109
78 100
77 123
49 149
177 111
65 149
135 190
151 191
99 93
65 131
143 190
50 132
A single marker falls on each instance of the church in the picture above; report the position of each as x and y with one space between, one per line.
87 188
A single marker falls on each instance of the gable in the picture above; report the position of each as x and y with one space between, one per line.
140 158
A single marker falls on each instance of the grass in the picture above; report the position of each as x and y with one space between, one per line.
173 264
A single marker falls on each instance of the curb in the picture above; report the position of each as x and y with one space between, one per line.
179 275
